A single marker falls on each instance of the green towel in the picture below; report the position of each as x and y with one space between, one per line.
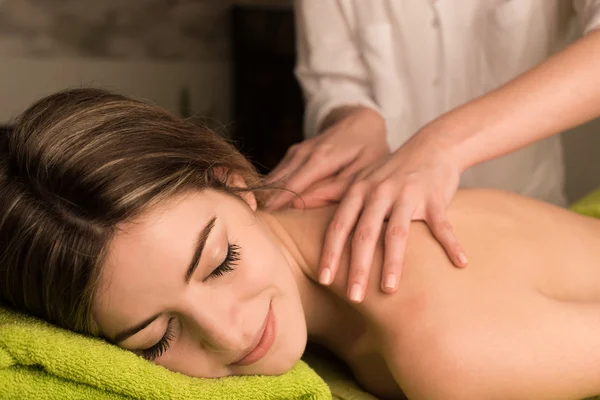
589 205
40 361
337 375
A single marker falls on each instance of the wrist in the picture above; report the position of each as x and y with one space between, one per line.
445 144
354 115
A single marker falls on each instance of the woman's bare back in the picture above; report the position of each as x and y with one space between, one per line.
521 321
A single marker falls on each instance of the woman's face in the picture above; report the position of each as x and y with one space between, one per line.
199 285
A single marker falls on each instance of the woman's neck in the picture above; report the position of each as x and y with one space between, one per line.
299 234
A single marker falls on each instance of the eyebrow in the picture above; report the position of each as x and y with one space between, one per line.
200 244
133 330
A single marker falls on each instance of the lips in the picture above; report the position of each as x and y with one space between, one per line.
261 344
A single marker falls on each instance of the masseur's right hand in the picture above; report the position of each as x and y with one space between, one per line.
417 182
320 169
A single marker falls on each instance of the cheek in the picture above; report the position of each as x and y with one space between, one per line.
262 263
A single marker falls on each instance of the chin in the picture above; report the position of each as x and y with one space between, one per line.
284 358
280 366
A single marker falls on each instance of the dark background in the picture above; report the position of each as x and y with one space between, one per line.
268 105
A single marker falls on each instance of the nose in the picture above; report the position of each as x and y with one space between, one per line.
219 327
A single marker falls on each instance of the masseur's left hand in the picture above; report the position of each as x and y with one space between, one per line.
417 182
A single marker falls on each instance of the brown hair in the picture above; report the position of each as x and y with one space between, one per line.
77 164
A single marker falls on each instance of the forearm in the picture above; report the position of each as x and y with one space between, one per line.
559 94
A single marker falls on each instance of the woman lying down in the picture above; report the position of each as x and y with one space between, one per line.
122 221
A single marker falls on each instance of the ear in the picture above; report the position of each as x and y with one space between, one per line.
233 179
236 180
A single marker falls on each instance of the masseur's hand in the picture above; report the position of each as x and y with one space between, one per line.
417 182
321 168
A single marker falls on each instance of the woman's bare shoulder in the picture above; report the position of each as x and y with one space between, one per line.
493 200
307 229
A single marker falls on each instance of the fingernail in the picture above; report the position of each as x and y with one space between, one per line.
325 277
463 258
356 293
390 282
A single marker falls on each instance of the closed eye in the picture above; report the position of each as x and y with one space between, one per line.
228 264
154 352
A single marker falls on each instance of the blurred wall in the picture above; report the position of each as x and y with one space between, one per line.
24 80
160 50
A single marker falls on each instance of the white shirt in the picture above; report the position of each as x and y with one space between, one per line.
412 60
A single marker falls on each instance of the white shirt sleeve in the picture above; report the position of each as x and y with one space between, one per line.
329 66
588 13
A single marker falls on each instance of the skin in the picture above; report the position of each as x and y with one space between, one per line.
328 162
531 333
418 180
216 318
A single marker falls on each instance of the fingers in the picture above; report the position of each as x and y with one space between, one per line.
365 240
352 171
325 192
331 190
314 168
396 235
293 157
307 174
443 232
337 234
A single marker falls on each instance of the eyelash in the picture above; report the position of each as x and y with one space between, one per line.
228 265
159 348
